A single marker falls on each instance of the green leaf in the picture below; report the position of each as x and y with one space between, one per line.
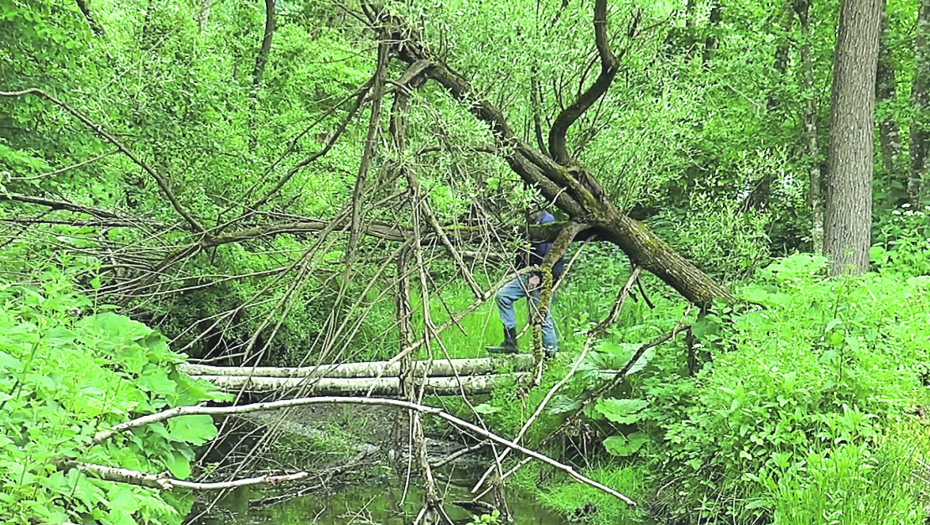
192 429
485 408
623 411
562 403
620 445
179 465
155 379
10 363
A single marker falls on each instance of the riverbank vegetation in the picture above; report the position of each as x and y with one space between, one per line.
297 182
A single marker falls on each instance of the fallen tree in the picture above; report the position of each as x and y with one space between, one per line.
373 369
559 178
363 386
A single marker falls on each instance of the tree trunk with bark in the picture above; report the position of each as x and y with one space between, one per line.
815 176
204 14
265 48
710 43
920 106
849 190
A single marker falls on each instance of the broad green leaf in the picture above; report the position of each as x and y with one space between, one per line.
9 362
485 408
623 411
620 445
155 379
179 465
192 429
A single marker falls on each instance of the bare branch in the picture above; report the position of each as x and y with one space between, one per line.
162 183
66 168
61 205
309 160
158 482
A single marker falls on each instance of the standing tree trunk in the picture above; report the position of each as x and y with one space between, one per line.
889 137
204 14
815 200
265 49
849 168
710 43
920 105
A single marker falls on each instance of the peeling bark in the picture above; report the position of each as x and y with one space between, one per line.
439 368
362 386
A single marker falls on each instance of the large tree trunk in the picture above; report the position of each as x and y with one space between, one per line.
849 191
920 105
710 43
815 199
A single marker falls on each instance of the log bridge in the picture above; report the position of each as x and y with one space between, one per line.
444 377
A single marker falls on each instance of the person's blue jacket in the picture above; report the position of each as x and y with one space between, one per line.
539 250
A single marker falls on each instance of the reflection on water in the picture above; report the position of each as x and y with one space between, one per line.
368 505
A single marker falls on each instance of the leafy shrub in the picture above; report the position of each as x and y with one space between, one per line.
71 369
802 390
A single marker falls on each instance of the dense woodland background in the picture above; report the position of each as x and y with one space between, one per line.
296 182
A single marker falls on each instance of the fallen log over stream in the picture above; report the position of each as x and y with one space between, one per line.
383 386
437 368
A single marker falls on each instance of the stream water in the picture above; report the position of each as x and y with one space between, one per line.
377 504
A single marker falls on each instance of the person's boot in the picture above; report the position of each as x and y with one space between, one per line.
509 346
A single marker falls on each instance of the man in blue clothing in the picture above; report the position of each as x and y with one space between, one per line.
528 285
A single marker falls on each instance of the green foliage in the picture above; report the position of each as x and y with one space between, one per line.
69 370
486 519
816 374
847 484
585 504
901 241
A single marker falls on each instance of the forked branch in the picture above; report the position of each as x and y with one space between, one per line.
610 64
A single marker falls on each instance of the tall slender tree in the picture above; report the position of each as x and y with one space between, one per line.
920 104
849 156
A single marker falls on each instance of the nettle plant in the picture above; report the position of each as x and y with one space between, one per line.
69 370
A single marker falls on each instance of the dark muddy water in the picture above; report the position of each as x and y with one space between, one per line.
363 505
